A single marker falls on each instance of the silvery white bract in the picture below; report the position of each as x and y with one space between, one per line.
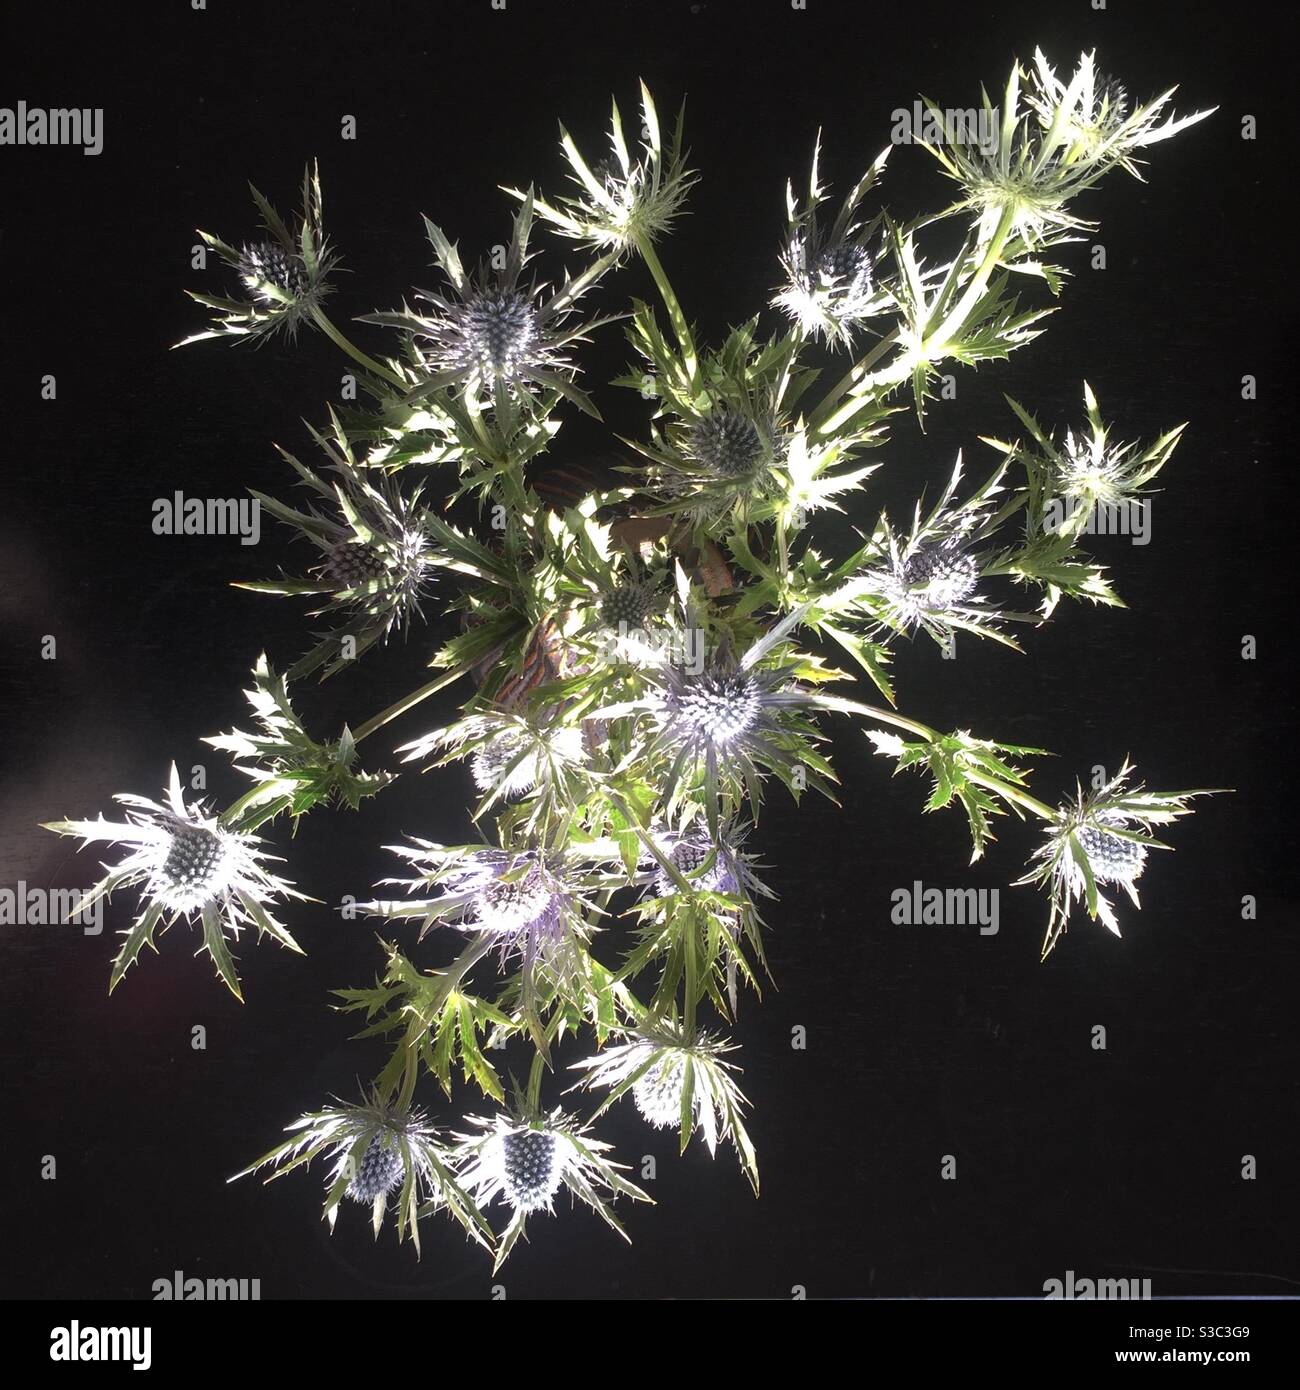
383 1155
630 198
1102 838
525 1160
189 866
678 1078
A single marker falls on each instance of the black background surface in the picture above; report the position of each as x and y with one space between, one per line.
922 1041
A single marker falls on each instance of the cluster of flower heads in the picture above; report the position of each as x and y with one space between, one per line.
694 728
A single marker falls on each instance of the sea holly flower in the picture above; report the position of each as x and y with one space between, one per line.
526 1159
678 1079
190 867
626 199
629 605
284 276
381 1156
526 903
1084 471
929 578
1101 838
714 863
489 334
723 720
832 281
511 755
718 458
376 558
1055 141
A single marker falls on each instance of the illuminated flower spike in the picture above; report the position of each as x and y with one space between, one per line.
526 1159
524 903
1086 472
381 1157
512 756
706 862
722 458
491 335
284 277
678 1079
728 719
832 285
1051 142
376 560
622 201
190 867
1102 839
929 579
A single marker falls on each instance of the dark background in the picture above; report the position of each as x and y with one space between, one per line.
922 1041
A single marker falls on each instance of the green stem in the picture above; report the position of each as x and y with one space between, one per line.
1010 793
568 293
378 721
978 283
675 315
850 379
326 326
233 813
899 721
934 339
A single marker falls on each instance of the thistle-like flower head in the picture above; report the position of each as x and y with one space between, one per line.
525 902
1102 837
272 274
721 456
380 1170
626 197
678 1078
531 758
704 860
526 1158
382 1156
831 281
724 720
189 866
630 605
489 334
376 560
284 276
928 578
